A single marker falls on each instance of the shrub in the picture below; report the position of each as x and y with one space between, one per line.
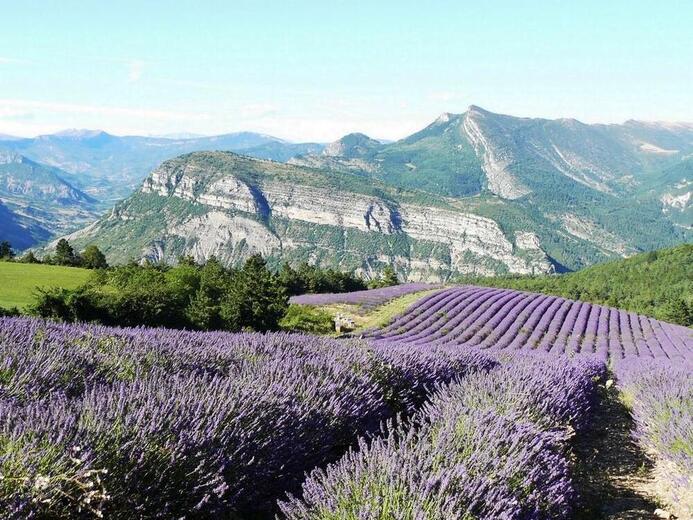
301 318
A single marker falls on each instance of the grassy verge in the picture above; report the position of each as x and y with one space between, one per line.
378 317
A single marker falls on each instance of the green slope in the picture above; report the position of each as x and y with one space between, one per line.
657 284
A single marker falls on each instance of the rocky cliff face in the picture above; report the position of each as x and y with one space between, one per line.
476 192
229 216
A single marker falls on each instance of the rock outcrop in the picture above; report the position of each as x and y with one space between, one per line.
231 215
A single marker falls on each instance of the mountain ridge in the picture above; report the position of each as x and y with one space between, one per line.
41 198
226 205
572 193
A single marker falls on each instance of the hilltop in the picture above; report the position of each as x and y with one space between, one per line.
657 284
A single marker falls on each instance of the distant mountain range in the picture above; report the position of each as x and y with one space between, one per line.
110 167
41 200
476 192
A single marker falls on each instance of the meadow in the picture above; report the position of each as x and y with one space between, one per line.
19 282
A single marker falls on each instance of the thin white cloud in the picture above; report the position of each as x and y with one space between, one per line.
4 60
445 96
70 108
257 110
135 70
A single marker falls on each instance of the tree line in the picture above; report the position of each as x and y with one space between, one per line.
65 254
656 283
191 295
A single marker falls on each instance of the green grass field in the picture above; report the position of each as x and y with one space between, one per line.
18 282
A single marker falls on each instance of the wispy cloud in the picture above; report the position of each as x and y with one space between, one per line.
135 70
445 96
257 110
4 60
71 108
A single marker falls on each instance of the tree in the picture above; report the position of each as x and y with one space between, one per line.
93 258
30 258
64 254
291 280
388 278
6 251
677 310
255 300
203 312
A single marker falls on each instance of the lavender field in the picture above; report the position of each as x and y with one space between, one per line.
503 319
469 405
367 300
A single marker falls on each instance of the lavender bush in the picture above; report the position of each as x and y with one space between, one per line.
660 396
167 424
493 446
503 319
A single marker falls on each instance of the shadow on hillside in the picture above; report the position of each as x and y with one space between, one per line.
614 469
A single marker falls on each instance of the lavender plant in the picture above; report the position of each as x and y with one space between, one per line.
491 446
176 423
502 319
367 299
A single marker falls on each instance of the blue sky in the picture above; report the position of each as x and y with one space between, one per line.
315 70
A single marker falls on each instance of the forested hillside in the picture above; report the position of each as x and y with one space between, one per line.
658 284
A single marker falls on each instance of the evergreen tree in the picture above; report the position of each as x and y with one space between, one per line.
291 280
389 277
64 253
6 251
203 312
255 300
30 258
93 258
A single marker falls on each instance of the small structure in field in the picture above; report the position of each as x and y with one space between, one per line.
343 323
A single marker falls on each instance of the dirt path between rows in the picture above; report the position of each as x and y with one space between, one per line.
615 474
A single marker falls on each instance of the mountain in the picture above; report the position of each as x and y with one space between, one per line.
231 206
18 232
475 192
41 199
512 157
110 167
583 177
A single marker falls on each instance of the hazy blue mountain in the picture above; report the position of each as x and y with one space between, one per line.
110 167
42 199
20 231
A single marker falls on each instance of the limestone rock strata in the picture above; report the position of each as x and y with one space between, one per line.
234 213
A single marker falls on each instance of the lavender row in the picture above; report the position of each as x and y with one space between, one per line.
367 299
507 319
492 446
660 396
164 424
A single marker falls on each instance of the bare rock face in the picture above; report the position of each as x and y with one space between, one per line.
497 158
228 206
232 217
